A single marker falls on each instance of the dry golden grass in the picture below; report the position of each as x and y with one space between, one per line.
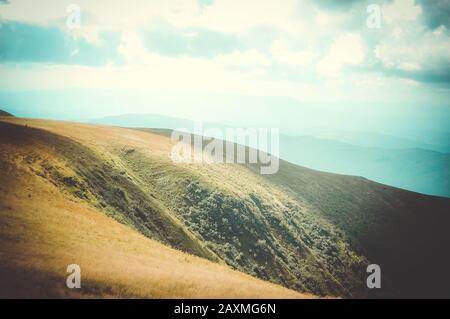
42 230
104 139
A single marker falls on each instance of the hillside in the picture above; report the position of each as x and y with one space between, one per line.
4 113
310 231
44 228
394 161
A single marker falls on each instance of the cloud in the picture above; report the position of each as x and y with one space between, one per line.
290 47
21 42
205 3
283 55
401 10
131 47
250 58
238 16
413 51
347 49
42 13
430 76
336 4
436 13
200 42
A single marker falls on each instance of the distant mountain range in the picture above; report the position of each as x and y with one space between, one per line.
415 169
391 160
378 140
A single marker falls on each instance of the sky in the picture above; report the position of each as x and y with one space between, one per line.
283 63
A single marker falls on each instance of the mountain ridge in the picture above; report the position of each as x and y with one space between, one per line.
47 224
6 114
311 231
408 166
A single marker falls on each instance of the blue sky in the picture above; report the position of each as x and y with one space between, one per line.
271 61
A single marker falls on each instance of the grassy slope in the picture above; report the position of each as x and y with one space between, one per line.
301 228
347 222
5 114
257 239
43 229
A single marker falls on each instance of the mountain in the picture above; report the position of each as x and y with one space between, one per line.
399 162
376 140
306 230
425 140
49 220
4 113
415 169
144 120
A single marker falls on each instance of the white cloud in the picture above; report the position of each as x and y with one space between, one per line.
401 10
402 44
347 49
414 50
409 66
222 15
157 74
131 47
90 33
236 15
283 55
43 12
248 58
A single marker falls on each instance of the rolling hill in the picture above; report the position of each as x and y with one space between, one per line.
45 226
4 113
306 230
399 162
